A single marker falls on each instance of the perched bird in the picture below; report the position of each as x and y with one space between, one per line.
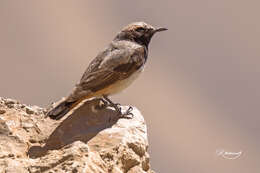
113 69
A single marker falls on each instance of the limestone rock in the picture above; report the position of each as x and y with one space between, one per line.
91 139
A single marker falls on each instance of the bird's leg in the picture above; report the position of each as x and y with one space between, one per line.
111 103
118 108
102 103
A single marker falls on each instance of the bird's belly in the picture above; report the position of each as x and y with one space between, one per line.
122 84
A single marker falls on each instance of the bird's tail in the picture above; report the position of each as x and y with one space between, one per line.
60 110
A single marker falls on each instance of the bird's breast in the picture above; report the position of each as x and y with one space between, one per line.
122 84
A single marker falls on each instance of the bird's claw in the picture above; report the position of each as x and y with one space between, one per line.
118 108
127 113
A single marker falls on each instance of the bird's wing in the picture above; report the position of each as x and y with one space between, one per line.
107 68
116 65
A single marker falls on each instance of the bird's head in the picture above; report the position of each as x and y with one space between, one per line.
138 32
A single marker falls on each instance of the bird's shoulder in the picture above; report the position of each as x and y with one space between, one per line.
116 53
119 56
126 45
121 52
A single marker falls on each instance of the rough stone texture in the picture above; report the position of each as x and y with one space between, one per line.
90 139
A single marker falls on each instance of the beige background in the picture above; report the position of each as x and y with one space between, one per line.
199 92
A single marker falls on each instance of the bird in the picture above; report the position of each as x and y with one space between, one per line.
112 70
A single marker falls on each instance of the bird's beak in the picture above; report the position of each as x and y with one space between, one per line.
160 29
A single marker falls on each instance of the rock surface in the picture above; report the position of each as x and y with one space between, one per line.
91 139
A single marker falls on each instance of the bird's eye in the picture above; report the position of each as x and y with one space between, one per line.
140 29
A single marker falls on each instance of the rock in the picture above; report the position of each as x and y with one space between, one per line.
10 101
29 110
2 111
91 140
3 127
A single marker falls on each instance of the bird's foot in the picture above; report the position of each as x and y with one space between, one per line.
128 114
118 109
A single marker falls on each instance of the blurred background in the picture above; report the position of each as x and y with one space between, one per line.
200 89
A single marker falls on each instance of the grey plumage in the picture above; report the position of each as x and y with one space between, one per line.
113 69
